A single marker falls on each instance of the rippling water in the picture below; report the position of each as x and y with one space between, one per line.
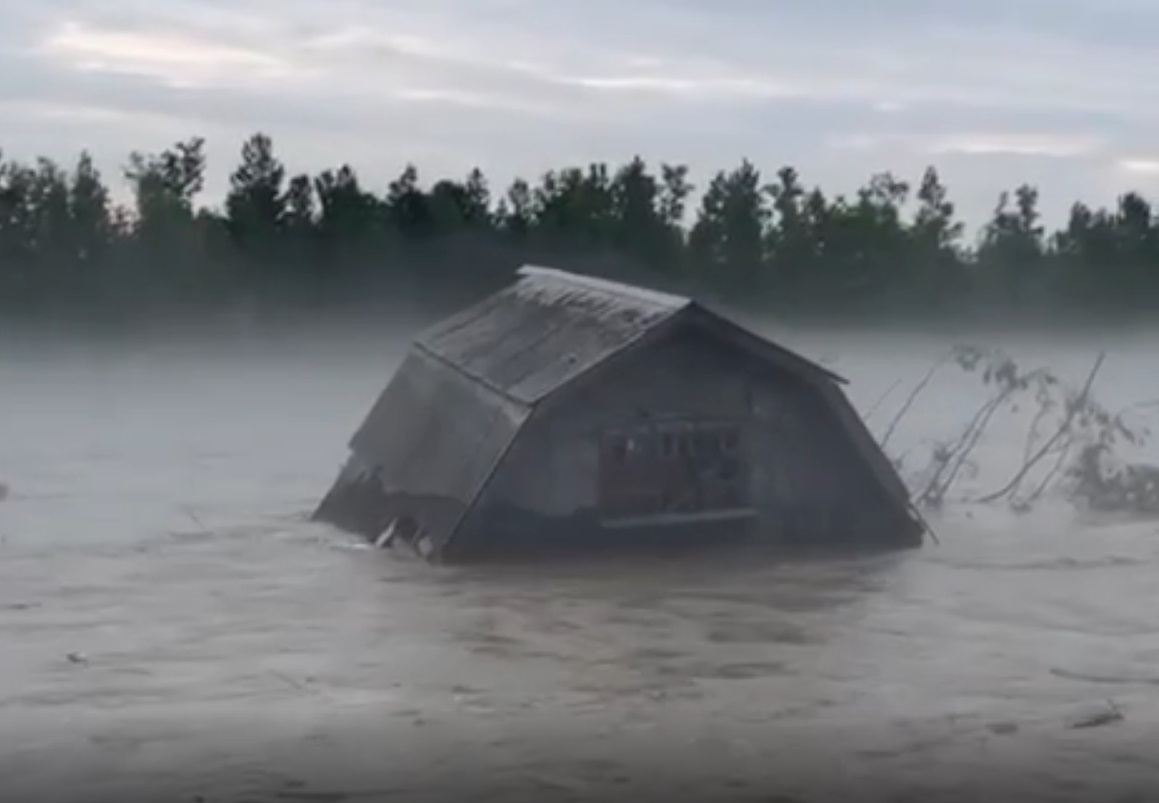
169 622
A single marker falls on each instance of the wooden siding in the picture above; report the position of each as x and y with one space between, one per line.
805 478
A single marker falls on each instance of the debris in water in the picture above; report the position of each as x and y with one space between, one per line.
1106 717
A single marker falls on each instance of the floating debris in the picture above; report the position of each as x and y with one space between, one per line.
1107 716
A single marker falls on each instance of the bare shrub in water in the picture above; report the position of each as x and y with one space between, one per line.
1071 443
1100 479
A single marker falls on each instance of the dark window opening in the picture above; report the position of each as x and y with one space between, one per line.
673 468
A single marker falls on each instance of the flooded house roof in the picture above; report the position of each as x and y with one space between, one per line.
550 327
454 408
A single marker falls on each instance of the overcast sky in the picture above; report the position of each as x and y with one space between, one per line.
1060 93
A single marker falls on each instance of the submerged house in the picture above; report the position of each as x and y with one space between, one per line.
571 409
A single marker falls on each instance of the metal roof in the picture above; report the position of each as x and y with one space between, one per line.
549 327
546 329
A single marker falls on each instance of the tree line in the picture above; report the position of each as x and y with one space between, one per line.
768 242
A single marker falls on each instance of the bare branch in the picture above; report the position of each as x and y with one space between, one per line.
1064 429
881 400
914 395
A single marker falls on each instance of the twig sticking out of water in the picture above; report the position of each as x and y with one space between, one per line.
1081 454
925 524
1063 431
951 460
289 681
917 391
192 514
881 400
1112 714
1063 454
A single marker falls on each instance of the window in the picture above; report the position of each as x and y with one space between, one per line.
673 469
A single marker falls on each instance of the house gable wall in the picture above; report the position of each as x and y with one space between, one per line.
807 480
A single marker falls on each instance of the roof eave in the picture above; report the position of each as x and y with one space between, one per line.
744 337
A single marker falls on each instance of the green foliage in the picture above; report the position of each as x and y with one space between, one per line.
766 241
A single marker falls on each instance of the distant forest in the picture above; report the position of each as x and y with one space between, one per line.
764 242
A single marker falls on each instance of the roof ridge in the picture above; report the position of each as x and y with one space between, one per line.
606 286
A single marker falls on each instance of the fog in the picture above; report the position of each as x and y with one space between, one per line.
171 622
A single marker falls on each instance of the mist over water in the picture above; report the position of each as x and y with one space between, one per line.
170 620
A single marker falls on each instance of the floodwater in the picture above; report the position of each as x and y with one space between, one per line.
171 628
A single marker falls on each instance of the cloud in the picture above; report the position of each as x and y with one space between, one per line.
172 59
996 92
1143 167
977 143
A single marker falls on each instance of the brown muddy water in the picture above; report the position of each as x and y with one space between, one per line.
172 629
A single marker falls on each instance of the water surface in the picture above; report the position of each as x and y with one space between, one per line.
171 623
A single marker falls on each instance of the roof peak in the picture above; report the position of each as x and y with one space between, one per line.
586 282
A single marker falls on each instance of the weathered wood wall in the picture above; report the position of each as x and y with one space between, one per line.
807 481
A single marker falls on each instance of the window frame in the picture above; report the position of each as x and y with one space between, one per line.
675 456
